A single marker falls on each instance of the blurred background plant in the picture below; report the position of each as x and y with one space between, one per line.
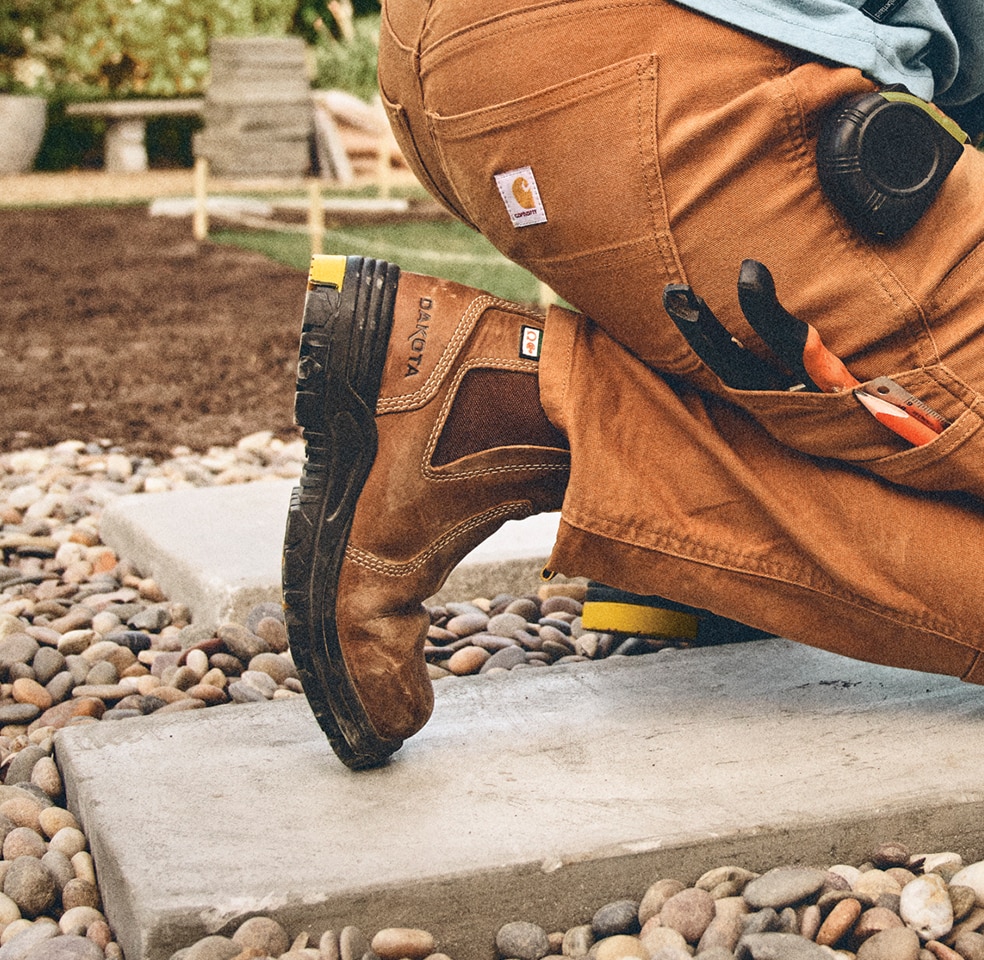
71 50
31 45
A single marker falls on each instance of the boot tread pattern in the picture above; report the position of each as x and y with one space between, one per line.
344 337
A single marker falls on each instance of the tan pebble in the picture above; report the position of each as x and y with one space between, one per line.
970 944
147 684
53 819
75 641
181 706
102 561
9 911
42 737
467 660
14 929
874 921
75 921
84 868
46 776
656 895
197 661
396 943
873 883
61 714
655 938
328 945
100 691
900 875
135 670
810 921
437 673
99 650
87 536
80 893
972 876
30 691
943 862
23 842
726 881
273 631
264 934
964 899
577 591
690 912
621 945
941 951
181 677
113 951
149 590
216 678
23 811
169 694
207 693
100 934
900 943
69 840
839 922
104 621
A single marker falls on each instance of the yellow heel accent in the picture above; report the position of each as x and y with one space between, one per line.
327 270
638 620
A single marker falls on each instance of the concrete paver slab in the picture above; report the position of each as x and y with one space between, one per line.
539 795
217 549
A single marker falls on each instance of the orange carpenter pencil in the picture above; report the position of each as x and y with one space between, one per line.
896 419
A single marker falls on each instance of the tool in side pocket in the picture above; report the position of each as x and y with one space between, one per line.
796 345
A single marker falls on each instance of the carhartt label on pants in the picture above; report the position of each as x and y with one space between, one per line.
520 195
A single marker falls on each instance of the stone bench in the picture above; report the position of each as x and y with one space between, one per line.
126 134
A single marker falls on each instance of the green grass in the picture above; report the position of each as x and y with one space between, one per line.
446 249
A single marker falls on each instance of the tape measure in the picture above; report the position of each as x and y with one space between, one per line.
882 158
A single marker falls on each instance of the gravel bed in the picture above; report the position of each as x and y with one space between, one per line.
85 637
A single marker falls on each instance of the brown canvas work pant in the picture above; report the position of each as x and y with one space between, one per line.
664 147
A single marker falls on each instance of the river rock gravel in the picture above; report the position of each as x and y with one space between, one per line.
86 637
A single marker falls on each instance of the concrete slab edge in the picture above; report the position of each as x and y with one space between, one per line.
464 912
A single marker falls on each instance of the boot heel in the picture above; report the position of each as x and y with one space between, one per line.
348 313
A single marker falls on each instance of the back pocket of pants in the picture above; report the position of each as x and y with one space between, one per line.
589 145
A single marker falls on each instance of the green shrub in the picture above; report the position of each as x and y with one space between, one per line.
31 44
349 64
160 47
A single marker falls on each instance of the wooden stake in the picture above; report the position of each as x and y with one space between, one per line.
199 221
316 217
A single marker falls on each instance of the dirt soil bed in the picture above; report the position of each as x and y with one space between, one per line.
117 325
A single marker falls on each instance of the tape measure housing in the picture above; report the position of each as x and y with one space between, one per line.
882 158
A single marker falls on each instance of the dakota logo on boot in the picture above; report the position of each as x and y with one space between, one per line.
521 196
418 339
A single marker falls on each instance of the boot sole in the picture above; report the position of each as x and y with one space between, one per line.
344 339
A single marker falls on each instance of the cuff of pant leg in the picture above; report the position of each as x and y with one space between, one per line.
559 339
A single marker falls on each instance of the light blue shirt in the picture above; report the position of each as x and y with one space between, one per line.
933 47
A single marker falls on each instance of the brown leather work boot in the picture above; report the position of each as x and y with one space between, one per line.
419 403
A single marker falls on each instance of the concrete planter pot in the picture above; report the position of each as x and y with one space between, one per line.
22 125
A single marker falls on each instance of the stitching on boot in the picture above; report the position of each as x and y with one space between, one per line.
487 363
505 511
430 387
